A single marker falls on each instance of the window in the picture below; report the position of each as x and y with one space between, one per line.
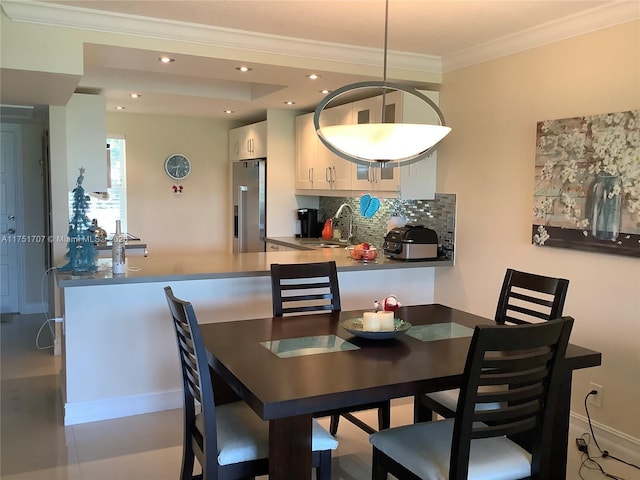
107 207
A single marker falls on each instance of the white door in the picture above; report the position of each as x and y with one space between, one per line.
10 150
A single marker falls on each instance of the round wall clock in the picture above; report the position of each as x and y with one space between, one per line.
177 166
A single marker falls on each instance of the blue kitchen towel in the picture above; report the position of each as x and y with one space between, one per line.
369 205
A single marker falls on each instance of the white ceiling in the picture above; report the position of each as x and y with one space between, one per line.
439 35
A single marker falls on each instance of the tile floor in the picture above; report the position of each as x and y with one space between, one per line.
36 446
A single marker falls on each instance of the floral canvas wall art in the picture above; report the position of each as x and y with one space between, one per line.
587 183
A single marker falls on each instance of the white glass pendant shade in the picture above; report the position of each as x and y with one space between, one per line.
384 142
392 144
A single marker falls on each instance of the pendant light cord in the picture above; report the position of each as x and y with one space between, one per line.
384 65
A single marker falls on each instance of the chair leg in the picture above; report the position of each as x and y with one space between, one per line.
333 425
377 470
188 458
421 413
323 470
384 416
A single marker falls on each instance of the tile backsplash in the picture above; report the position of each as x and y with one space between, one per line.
438 214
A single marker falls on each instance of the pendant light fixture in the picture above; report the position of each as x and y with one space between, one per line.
384 144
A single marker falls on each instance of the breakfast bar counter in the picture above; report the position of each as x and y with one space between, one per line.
118 344
168 268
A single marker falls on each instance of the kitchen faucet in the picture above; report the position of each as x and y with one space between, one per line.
350 235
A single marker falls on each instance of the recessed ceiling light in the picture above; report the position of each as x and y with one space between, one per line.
120 107
244 69
289 102
165 59
228 111
314 76
135 95
325 91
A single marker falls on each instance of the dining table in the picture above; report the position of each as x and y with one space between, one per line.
289 368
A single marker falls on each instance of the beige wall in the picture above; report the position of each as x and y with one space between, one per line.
195 221
488 160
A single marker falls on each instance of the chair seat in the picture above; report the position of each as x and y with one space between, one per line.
243 436
496 458
449 399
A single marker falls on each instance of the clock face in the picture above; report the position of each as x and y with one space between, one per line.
177 166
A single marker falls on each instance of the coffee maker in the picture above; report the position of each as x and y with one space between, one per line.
308 218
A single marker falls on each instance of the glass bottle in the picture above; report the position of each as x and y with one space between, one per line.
118 257
604 207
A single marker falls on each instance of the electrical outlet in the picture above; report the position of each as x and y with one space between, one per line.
596 398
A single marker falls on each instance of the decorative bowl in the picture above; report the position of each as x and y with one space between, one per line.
358 253
354 326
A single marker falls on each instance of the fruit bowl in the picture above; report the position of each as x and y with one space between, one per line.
359 252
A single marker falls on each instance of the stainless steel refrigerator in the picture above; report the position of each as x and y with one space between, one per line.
249 212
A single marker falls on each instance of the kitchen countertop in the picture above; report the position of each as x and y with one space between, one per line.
128 245
209 266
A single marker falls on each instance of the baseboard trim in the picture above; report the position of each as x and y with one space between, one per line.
617 443
106 409
33 308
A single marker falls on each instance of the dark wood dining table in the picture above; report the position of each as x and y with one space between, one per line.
286 389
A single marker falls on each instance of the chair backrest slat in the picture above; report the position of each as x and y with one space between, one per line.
304 288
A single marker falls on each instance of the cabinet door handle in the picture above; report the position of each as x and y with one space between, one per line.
311 175
242 190
327 174
333 174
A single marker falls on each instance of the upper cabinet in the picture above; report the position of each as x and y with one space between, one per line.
336 170
318 169
377 177
248 142
86 141
307 145
418 180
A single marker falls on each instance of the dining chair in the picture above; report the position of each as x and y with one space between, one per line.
527 360
230 441
313 288
524 298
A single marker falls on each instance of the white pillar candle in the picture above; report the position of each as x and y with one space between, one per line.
370 322
386 321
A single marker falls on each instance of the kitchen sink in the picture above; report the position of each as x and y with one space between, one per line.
324 245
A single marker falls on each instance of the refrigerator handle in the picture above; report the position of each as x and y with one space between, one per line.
241 220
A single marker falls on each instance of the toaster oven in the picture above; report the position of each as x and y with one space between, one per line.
411 242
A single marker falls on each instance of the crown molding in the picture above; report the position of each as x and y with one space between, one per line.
108 22
43 13
597 18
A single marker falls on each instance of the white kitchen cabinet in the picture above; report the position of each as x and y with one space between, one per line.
306 152
418 180
86 141
377 177
336 171
315 163
317 167
248 142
